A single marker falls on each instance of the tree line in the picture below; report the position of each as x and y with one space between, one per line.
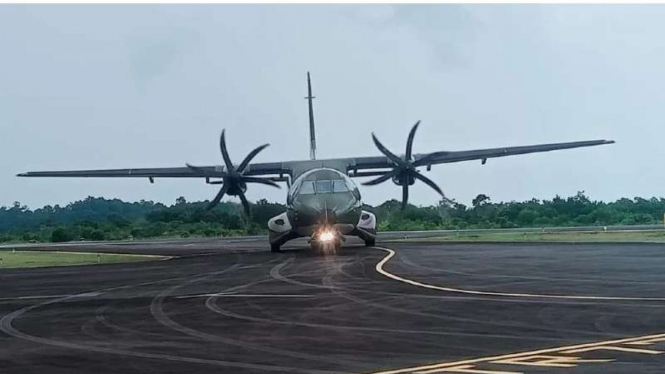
96 218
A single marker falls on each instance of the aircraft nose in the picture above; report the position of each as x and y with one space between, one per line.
328 216
326 208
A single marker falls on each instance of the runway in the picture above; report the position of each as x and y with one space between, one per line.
231 306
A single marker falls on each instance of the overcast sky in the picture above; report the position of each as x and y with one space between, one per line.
84 87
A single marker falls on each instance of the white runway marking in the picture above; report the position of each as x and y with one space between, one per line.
391 253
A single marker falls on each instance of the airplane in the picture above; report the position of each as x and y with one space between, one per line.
323 202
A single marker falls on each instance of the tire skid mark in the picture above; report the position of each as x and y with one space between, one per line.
100 317
211 303
338 291
338 267
6 326
275 272
100 313
156 309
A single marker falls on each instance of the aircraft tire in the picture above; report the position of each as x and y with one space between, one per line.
275 248
370 242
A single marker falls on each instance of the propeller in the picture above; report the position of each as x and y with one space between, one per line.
234 182
404 172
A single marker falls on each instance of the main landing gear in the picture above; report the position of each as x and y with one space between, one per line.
370 242
275 248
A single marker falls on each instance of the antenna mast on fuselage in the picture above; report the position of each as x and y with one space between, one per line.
312 132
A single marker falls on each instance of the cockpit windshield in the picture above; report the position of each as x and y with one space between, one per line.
323 186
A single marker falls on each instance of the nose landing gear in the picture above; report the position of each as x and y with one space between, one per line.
326 240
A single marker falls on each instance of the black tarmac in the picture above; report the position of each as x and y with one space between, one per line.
231 306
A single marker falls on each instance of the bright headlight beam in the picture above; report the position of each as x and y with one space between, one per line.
326 236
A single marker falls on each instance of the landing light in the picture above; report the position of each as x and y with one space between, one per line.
326 236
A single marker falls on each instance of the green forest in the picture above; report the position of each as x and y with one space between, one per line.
97 218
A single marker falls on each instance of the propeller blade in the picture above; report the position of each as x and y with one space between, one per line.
381 179
386 152
266 181
405 195
249 157
225 154
218 197
429 182
409 142
245 203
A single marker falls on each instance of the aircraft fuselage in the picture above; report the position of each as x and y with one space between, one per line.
322 199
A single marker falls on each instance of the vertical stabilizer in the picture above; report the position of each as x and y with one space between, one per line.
312 131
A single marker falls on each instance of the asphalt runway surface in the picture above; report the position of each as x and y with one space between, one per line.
231 306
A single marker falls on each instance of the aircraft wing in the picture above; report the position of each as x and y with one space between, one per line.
357 167
443 157
267 168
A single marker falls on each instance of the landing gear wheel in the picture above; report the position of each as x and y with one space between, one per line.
370 242
274 248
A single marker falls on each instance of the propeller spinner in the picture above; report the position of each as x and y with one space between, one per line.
234 182
404 172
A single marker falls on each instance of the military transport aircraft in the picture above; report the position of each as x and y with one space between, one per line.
323 202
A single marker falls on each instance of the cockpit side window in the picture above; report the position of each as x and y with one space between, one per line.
307 188
339 186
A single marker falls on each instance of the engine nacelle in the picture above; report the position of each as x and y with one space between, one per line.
279 223
400 180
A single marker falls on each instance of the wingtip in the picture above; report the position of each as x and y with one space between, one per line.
22 174
609 142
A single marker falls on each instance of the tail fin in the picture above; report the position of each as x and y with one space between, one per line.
312 131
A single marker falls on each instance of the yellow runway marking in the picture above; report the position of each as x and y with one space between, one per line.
647 341
537 358
548 361
391 253
610 348
467 369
